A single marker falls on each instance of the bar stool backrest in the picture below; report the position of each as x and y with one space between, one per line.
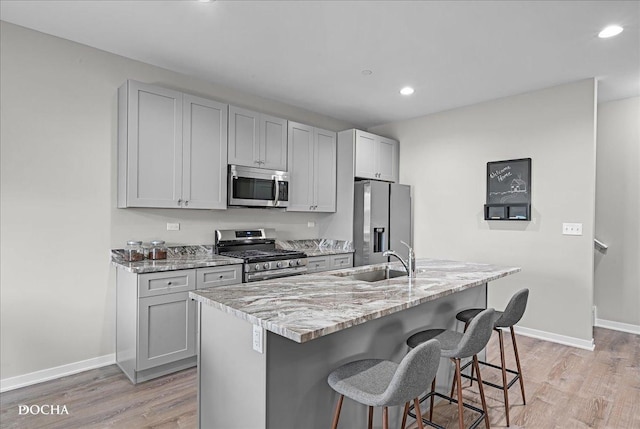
416 370
514 309
476 336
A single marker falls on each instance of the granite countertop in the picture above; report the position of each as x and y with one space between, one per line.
310 306
317 246
178 258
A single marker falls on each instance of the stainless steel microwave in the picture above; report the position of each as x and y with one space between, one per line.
257 187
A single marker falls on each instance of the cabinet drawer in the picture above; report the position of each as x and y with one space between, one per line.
318 263
218 276
341 261
153 284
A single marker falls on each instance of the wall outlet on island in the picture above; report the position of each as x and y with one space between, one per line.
173 226
257 338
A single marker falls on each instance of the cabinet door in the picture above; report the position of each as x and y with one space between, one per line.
387 159
273 143
153 146
301 167
244 140
325 164
167 326
204 184
365 155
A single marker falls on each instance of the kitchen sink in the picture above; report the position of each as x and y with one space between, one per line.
376 276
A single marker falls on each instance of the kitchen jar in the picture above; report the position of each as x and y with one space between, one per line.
134 251
158 250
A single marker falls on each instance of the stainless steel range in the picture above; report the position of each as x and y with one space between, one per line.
257 247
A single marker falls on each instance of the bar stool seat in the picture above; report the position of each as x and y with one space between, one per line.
383 383
457 346
511 315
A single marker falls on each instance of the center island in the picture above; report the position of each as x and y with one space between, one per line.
265 348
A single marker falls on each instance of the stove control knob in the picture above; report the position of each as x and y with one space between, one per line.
279 264
257 267
298 262
292 263
266 265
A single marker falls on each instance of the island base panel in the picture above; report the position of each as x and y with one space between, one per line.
231 375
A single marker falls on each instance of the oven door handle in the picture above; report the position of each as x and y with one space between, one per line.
276 201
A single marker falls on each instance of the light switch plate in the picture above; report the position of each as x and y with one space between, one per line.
173 227
571 229
257 338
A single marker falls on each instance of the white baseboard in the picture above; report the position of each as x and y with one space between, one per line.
618 326
36 377
555 338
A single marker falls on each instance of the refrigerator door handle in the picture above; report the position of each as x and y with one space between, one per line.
379 239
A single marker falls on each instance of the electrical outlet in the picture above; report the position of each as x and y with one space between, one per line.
311 224
571 229
173 227
257 338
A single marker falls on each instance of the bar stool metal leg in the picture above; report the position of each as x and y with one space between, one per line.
515 350
505 387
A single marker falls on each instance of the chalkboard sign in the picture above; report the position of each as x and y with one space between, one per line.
508 190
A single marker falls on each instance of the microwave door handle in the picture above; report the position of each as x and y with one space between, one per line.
276 201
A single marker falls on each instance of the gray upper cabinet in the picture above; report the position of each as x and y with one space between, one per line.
376 157
257 139
312 169
204 160
171 149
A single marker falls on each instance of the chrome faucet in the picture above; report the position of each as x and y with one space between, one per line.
409 264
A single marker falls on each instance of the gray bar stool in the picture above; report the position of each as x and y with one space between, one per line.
457 346
502 319
383 383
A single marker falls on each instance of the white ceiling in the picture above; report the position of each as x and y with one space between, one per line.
312 53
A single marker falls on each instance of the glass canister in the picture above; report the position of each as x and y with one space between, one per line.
134 251
158 250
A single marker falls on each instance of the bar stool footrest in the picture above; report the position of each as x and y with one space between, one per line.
488 383
440 395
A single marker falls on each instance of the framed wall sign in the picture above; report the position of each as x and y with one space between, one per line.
508 190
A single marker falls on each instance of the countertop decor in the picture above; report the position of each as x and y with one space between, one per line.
310 306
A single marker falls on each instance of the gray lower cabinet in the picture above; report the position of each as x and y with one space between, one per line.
317 264
156 319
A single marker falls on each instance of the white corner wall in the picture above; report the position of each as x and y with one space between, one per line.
443 156
58 208
617 272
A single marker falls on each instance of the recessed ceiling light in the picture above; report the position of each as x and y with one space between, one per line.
610 31
204 1
407 90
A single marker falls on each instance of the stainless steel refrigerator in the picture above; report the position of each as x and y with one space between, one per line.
382 219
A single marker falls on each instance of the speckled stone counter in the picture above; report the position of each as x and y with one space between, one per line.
317 247
303 308
178 258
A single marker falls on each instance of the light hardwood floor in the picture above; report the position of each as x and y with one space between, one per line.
565 387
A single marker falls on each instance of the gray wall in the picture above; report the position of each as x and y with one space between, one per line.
443 157
59 217
617 273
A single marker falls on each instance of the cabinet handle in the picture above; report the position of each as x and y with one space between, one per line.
256 162
180 201
169 283
221 276
186 203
